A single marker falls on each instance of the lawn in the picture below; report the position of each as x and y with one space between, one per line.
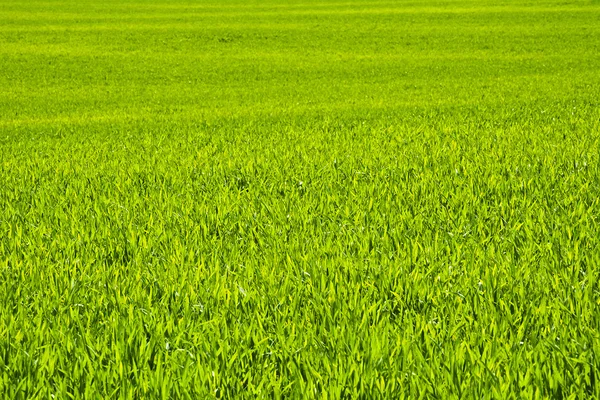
299 199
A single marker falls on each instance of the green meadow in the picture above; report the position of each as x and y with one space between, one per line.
299 199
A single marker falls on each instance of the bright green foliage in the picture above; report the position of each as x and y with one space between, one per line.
299 199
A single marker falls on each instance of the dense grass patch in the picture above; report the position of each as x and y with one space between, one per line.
299 199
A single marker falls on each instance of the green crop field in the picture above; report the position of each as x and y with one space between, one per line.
299 199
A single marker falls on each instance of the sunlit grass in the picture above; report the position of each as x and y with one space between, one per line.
341 199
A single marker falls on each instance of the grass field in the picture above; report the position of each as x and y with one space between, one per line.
299 199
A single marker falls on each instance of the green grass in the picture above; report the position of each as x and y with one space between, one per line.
299 199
